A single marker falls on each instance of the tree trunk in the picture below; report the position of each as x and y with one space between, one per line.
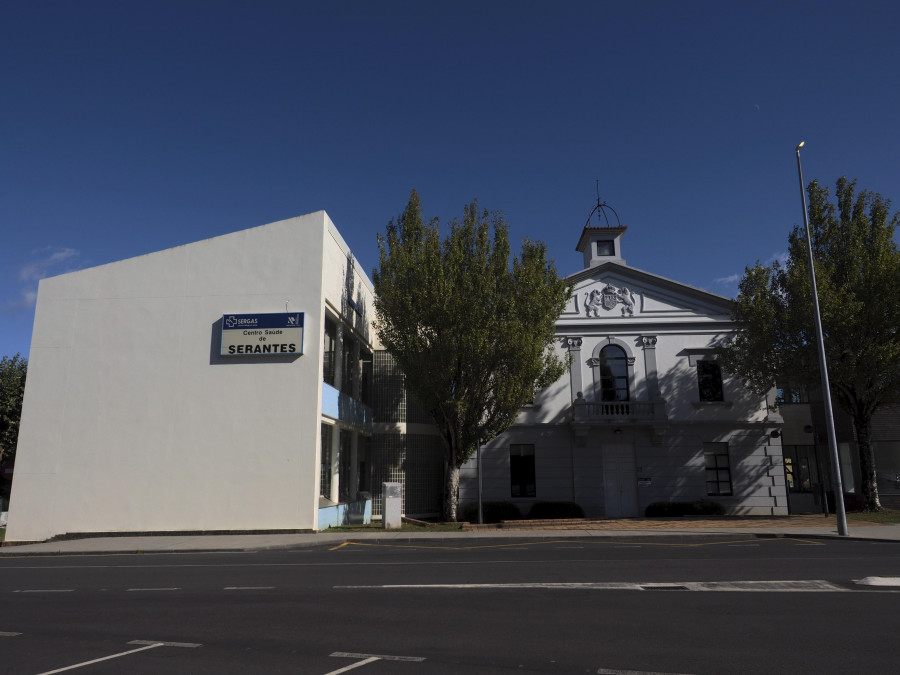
451 493
868 480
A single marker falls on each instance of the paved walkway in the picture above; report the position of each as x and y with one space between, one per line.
788 526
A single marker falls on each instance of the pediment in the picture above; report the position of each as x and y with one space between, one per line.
616 292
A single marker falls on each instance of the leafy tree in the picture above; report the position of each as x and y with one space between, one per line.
12 389
858 277
471 332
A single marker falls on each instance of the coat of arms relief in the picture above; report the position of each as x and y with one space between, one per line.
607 299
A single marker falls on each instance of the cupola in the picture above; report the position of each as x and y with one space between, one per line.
603 243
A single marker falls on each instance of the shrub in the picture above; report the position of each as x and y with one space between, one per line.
700 507
493 512
555 510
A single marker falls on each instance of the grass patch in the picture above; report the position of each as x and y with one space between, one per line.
883 516
404 527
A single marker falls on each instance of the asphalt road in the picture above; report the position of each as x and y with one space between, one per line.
681 605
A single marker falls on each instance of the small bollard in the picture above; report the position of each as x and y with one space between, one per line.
393 502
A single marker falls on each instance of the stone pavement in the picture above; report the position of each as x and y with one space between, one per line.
786 526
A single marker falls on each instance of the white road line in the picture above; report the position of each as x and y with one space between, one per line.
8 634
189 645
105 658
383 657
248 588
804 585
878 581
46 590
609 671
354 665
129 590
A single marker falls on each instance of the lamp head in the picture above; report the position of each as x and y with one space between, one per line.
800 146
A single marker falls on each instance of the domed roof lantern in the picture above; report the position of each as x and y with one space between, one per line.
603 242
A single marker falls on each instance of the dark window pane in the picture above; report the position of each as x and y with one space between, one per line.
709 381
613 364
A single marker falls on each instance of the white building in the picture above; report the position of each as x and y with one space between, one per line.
645 413
145 409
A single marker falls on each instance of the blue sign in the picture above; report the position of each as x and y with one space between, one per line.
262 334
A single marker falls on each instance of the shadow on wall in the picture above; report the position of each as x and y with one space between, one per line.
724 422
353 302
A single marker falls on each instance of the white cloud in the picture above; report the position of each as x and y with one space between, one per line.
44 262
781 257
47 264
731 279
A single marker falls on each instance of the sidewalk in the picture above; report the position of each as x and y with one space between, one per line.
788 526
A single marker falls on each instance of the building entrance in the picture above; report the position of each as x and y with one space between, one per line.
619 481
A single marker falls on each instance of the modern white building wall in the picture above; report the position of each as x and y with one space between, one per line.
645 413
133 422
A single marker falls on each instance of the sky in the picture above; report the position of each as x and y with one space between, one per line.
132 127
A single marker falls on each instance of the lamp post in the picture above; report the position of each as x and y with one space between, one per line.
837 483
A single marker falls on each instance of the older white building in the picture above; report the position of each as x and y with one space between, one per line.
192 390
645 414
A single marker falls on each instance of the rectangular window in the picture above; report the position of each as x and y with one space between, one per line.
792 392
363 464
606 248
328 351
709 381
325 463
801 470
344 455
521 471
718 469
365 376
349 365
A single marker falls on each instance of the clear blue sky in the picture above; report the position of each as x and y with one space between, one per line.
131 127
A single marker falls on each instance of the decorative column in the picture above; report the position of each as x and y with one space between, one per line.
649 344
574 345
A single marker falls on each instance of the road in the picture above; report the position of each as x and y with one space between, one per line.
679 605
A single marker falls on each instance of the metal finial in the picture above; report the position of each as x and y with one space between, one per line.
600 209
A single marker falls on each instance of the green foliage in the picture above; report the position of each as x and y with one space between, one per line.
472 332
701 507
857 266
12 390
492 512
555 510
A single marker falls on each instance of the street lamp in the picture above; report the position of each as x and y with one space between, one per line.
837 483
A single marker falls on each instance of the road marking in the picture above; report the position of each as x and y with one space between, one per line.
383 657
248 588
371 659
368 658
129 590
807 585
7 634
189 645
609 671
878 581
105 658
46 590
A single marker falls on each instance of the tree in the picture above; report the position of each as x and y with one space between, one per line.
471 332
858 277
12 390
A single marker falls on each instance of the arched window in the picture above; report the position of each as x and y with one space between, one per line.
613 365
